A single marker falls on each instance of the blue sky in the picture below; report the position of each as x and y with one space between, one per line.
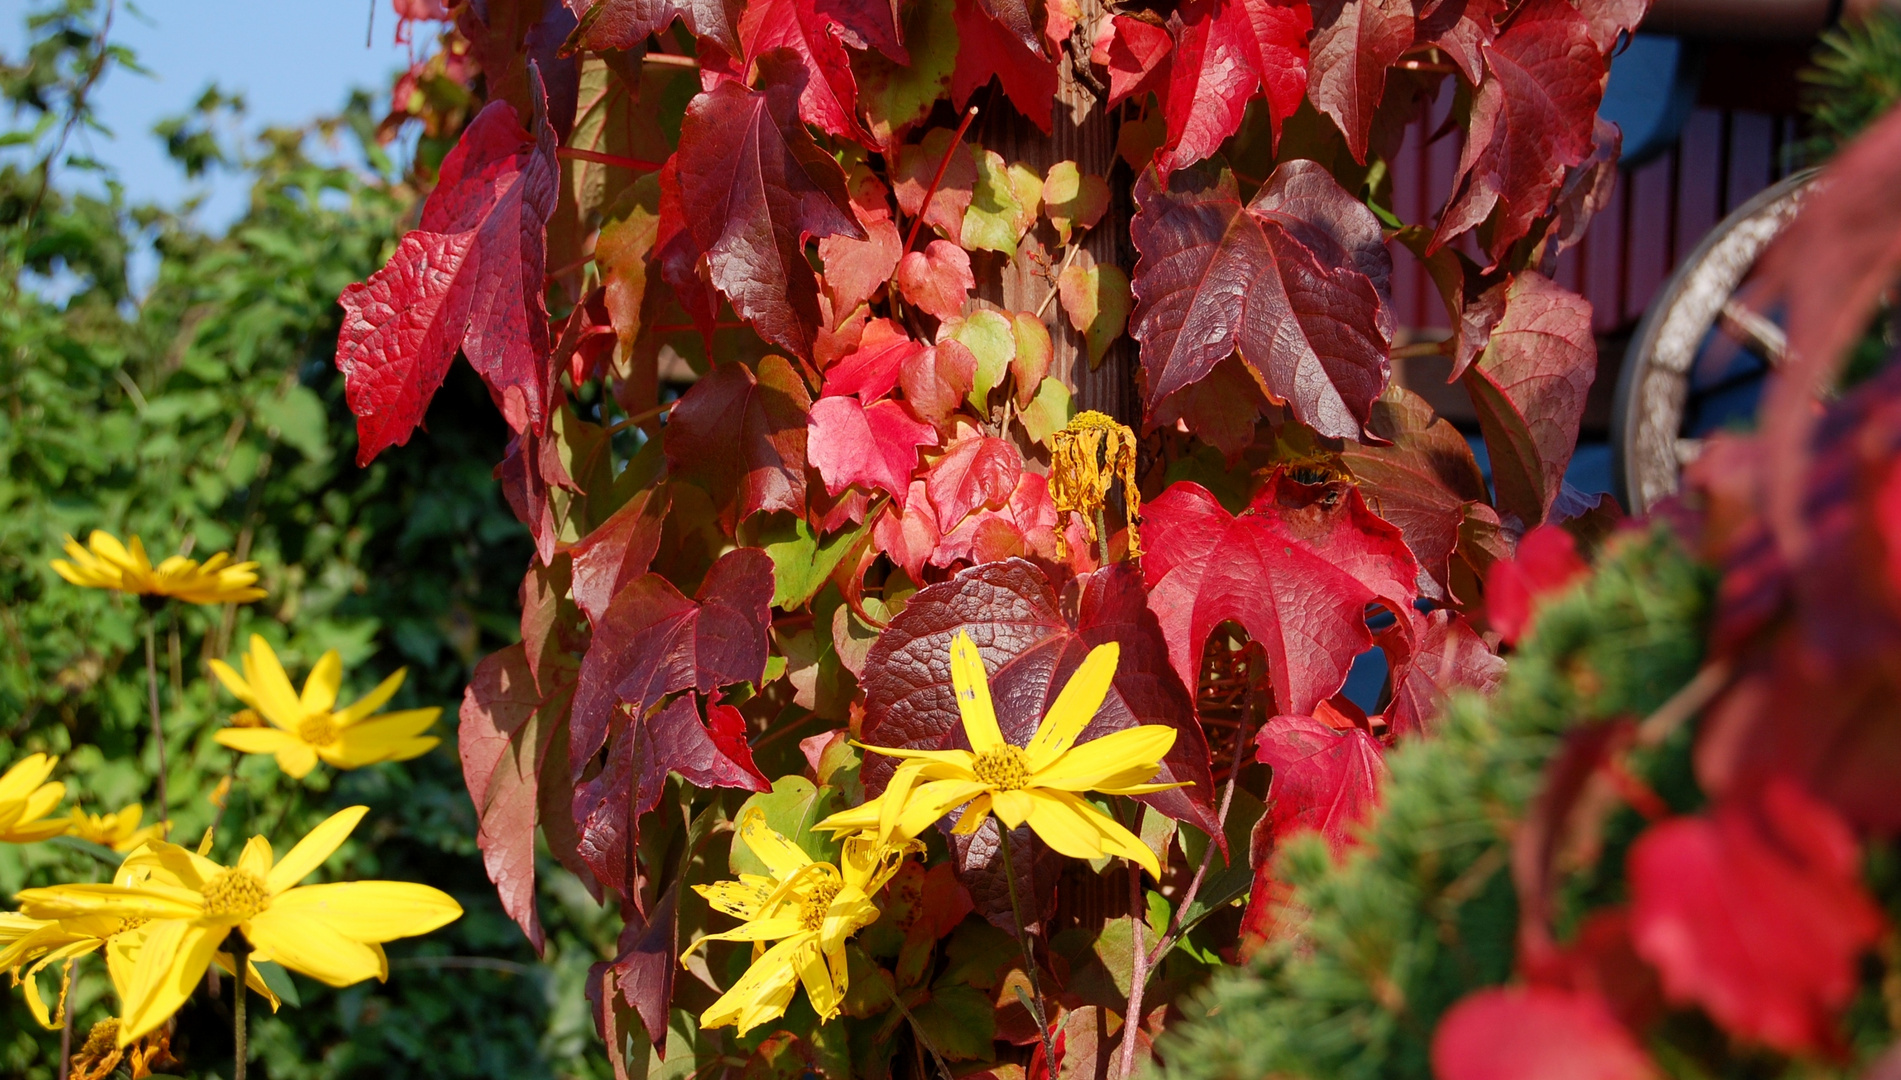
291 59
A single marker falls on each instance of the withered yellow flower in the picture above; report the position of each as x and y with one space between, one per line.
126 568
100 1056
307 727
119 831
332 932
1087 457
26 798
808 909
1041 784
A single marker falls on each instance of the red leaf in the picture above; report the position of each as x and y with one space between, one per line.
1529 388
1011 612
1136 55
618 550
871 370
1215 277
936 379
1227 51
875 447
526 491
856 269
742 438
626 24
979 470
918 164
1324 779
1546 561
985 48
1355 41
1448 656
469 278
1462 28
754 188
937 279
1421 482
1757 913
1025 525
829 100
908 533
867 24
1610 19
1522 1032
648 954
1887 517
1297 579
1532 118
502 744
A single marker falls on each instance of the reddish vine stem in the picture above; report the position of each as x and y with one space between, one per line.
1138 960
641 417
669 60
575 153
1023 939
924 208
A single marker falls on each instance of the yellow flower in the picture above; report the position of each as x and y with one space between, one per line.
119 831
808 908
31 945
112 565
333 933
1040 783
307 727
26 799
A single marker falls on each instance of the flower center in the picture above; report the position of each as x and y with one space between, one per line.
1005 768
129 924
235 894
317 729
818 904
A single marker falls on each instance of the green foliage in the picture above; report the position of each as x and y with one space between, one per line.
1376 947
1856 78
205 414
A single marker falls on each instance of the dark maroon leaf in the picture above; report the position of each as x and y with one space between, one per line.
754 188
1354 42
649 954
1303 197
978 862
741 438
1421 481
618 550
1461 28
626 24
526 492
1215 277
517 44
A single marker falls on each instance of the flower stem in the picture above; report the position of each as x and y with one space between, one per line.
158 728
1029 956
66 1025
240 961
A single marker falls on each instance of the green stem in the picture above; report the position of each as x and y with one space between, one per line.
66 1024
240 962
1029 957
158 727
1102 536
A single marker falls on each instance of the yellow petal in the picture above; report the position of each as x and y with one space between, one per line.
1075 706
761 994
371 702
180 866
256 740
256 856
781 856
323 682
313 849
106 546
1111 756
824 991
932 801
370 911
741 899
296 759
313 947
276 699
380 738
959 760
235 683
68 901
171 962
1076 828
25 775
973 695
973 816
1011 807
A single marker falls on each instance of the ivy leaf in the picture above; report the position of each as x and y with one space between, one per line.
1546 562
896 95
986 48
619 550
937 379
1421 480
1325 780
469 278
1227 52
503 738
1135 53
1354 42
867 24
1096 299
829 99
1448 655
1533 117
978 470
938 279
742 438
1030 649
909 534
626 24
1506 1033
1529 387
1758 914
871 371
1073 200
1304 198
1215 277
856 269
652 641
1462 29
647 955
1282 572
1003 203
917 165
873 447
1024 525
754 187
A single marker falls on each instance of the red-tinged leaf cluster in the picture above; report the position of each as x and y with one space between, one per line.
793 306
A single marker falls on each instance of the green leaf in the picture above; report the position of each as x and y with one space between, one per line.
1003 205
894 96
279 981
1050 412
960 1022
792 807
802 562
992 340
1097 301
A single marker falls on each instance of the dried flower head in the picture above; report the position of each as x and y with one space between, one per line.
1087 456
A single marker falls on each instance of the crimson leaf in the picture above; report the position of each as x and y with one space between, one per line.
742 438
503 738
1355 41
1226 52
1509 1033
1325 780
875 447
1421 481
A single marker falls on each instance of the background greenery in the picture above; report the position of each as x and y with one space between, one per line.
205 412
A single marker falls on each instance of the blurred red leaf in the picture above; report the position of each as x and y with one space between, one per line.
469 278
742 438
1325 779
503 738
1354 42
937 279
1757 913
1532 118
1547 560
1226 53
1521 1032
1281 572
873 447
754 188
1215 277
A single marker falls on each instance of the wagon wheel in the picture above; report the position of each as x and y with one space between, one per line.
1679 381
